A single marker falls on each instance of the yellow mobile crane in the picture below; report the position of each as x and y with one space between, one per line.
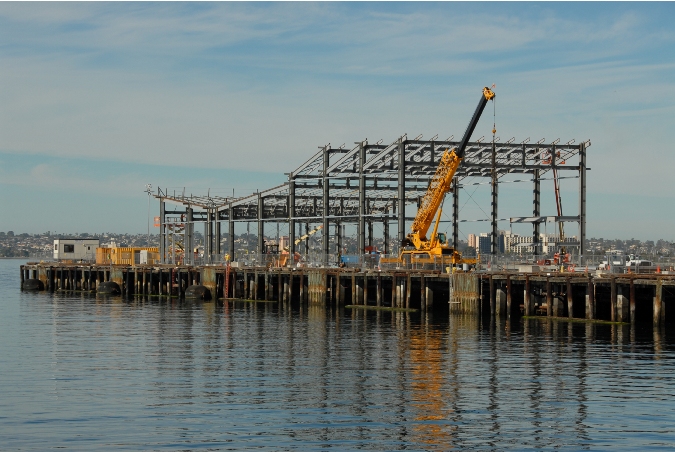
417 245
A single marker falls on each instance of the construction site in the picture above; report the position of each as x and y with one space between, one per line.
386 201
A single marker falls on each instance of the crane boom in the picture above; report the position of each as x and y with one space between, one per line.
441 182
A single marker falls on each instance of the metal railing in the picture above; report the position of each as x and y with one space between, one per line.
576 264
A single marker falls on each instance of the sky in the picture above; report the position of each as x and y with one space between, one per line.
99 99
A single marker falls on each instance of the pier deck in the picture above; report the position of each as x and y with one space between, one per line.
607 297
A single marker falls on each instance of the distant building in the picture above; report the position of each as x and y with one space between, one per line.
472 240
483 243
76 249
548 243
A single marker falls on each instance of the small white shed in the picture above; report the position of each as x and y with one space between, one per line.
75 249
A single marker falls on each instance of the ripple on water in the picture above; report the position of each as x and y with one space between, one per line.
87 372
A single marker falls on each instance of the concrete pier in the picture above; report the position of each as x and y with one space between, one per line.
627 298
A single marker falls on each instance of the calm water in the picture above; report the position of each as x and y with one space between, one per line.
86 372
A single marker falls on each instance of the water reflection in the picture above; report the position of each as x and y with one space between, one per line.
245 375
428 389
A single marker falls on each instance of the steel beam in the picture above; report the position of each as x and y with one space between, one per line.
401 191
230 233
536 210
582 199
261 224
326 204
291 215
362 199
455 213
494 245
162 234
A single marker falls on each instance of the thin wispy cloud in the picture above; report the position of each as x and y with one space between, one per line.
258 86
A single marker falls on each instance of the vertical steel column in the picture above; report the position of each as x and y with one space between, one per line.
386 235
261 224
362 199
208 237
536 211
370 233
230 234
401 191
216 235
307 239
162 234
291 216
455 213
338 238
325 206
582 199
494 246
188 235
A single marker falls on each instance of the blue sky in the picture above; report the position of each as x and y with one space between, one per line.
99 99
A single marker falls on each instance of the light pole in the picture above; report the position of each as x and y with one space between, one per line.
148 190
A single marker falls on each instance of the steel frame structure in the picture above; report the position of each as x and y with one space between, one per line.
375 182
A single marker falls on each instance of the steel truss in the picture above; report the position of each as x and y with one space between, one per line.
373 183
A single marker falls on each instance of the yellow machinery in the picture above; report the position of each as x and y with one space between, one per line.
283 257
125 255
417 246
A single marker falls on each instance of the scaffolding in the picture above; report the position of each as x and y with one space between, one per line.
372 183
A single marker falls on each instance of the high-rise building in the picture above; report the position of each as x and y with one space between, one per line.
472 240
483 243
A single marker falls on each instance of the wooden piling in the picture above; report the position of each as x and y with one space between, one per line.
339 289
570 298
160 286
50 279
408 288
508 297
493 307
423 297
612 298
658 303
527 297
365 288
355 299
632 302
590 300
